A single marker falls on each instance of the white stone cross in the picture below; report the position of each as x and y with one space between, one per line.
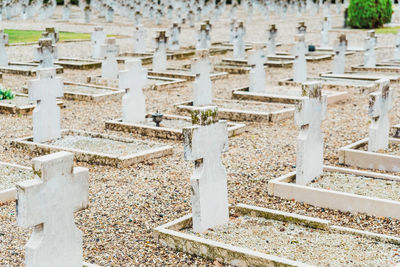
51 33
98 39
299 63
109 66
232 25
301 27
46 53
203 38
369 54
271 44
174 40
397 47
339 60
48 203
325 33
66 12
238 41
160 52
309 114
380 103
132 80
203 144
202 86
3 51
46 115
257 60
140 39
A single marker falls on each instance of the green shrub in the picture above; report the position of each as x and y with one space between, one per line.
6 94
368 14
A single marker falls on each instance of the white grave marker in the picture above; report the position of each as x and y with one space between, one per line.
140 39
369 54
46 52
160 53
203 144
257 73
203 38
339 60
238 42
132 81
98 39
46 115
48 203
3 51
397 47
309 113
325 33
380 103
109 66
271 43
299 63
202 86
174 40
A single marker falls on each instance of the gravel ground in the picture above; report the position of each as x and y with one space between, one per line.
307 245
358 185
9 176
393 149
101 145
127 203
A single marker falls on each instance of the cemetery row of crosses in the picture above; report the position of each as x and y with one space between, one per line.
186 133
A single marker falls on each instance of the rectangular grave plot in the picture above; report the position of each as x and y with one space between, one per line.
242 242
343 189
232 69
146 60
185 74
96 148
90 92
78 63
311 56
366 76
288 96
244 63
10 175
170 128
253 111
362 86
26 69
380 67
357 154
21 104
153 82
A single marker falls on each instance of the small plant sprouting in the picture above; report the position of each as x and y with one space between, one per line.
6 94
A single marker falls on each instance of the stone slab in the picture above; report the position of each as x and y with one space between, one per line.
312 57
173 235
254 111
290 96
21 105
26 69
98 142
366 76
154 82
170 128
7 184
362 86
185 74
244 63
380 67
352 155
78 63
286 188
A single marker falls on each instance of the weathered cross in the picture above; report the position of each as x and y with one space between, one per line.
132 80
48 203
309 114
46 53
203 144
380 103
202 86
160 53
109 66
238 41
257 73
271 44
339 60
140 39
203 37
98 38
174 40
369 54
46 115
325 33
3 52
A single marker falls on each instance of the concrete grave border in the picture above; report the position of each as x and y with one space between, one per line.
185 76
351 155
24 109
346 202
244 94
26 143
165 83
12 68
326 84
380 67
84 64
393 77
163 132
169 235
245 115
230 62
10 194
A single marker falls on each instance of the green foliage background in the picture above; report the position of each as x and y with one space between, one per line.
368 14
